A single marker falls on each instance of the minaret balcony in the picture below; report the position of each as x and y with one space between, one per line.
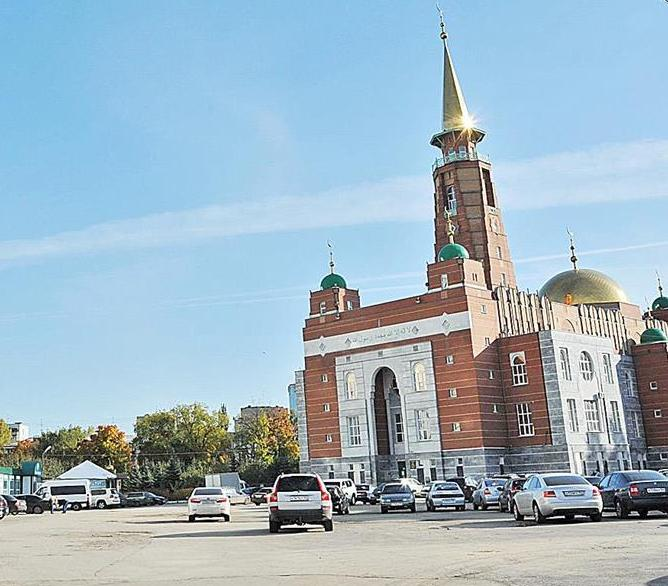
460 155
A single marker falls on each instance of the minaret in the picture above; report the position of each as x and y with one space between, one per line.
463 184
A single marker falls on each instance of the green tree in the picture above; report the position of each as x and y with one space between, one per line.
173 475
5 433
107 447
64 441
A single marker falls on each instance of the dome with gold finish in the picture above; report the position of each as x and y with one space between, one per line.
580 286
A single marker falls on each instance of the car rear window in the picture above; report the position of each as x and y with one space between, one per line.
495 482
295 483
396 488
207 491
519 483
363 486
565 479
446 486
644 475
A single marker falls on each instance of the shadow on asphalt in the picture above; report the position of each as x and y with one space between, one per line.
234 533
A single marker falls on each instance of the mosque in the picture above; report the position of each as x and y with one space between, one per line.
472 375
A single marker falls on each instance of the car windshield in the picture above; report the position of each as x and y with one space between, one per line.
495 482
445 486
296 483
644 475
395 489
207 491
565 479
135 494
518 483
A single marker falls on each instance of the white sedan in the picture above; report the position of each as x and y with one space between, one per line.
209 502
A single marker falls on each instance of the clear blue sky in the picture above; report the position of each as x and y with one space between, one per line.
171 171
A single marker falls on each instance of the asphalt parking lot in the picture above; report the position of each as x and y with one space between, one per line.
157 545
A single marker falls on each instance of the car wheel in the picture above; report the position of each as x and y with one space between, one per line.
502 507
257 504
643 514
475 506
511 506
76 506
101 505
15 513
37 510
353 501
462 508
429 507
274 526
537 515
347 511
516 513
484 506
383 510
413 509
596 517
569 517
191 518
226 518
620 510
328 525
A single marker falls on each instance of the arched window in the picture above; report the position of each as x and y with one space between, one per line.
351 385
420 377
586 366
451 200
519 368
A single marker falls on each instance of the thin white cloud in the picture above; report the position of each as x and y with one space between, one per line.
563 256
609 173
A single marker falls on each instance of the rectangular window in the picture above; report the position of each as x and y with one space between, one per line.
635 424
398 428
444 281
354 431
326 408
456 427
474 277
592 416
452 393
519 369
483 309
349 304
657 413
491 375
524 421
504 279
499 254
630 382
328 438
362 476
607 369
449 359
323 378
423 424
615 417
330 472
488 341
451 199
565 364
653 386
495 408
323 307
573 423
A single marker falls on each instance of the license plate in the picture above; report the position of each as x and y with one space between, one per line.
656 490
298 499
573 492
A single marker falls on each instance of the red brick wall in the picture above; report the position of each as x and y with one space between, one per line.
532 393
651 362
321 423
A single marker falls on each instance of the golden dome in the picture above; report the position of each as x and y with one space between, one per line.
580 286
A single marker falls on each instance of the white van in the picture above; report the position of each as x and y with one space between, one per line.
105 497
75 492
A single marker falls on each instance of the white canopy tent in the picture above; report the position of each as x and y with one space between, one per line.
89 471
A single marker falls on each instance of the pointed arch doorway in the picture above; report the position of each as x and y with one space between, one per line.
389 424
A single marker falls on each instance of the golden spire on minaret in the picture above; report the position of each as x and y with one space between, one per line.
658 282
571 239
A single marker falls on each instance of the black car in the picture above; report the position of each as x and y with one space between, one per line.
634 490
12 503
4 508
374 495
35 504
259 497
594 480
340 500
512 486
144 499
466 484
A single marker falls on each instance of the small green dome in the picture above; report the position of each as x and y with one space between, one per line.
452 250
652 335
333 280
660 303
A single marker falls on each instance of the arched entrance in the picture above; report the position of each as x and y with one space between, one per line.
389 423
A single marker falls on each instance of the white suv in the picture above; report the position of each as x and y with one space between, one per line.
346 485
209 502
299 499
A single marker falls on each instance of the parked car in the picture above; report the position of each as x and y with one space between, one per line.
76 493
510 488
468 485
4 508
103 498
144 499
249 490
397 495
346 485
340 500
363 493
15 505
558 495
424 491
236 497
374 495
445 494
487 493
634 490
208 501
664 471
300 499
35 504
415 485
593 480
259 497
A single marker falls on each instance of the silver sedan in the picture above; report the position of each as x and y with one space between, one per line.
558 495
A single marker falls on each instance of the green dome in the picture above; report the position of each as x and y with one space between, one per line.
333 280
660 303
452 250
652 335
